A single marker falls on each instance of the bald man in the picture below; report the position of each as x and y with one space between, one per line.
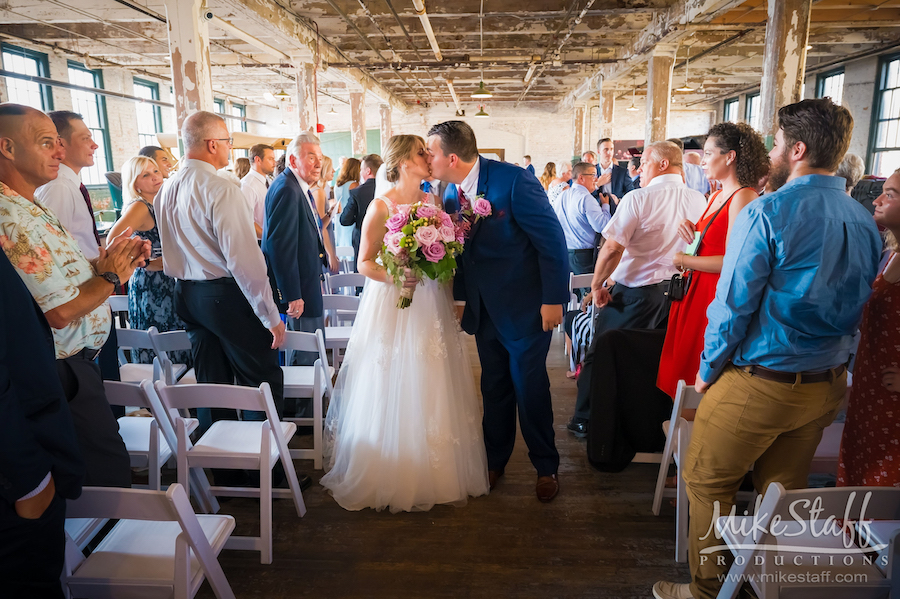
694 175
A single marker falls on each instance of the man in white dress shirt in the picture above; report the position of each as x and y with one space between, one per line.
582 217
641 240
255 183
66 196
221 291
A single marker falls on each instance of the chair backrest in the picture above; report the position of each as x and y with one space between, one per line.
127 394
118 303
164 343
135 338
349 303
178 397
686 398
344 251
311 342
341 281
580 281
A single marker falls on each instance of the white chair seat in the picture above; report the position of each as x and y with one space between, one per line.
135 431
337 337
229 439
301 377
145 550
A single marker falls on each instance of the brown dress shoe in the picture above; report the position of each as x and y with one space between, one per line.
493 477
547 488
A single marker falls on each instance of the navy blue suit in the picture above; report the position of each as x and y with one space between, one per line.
514 262
292 246
37 436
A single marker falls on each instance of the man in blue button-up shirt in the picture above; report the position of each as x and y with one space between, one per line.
582 217
797 271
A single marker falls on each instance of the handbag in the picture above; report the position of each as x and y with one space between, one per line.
681 282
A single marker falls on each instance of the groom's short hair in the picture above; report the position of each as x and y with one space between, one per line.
457 138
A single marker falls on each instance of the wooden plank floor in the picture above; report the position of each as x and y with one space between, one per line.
598 538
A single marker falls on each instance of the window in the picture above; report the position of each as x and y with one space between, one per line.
831 85
730 112
751 111
27 62
884 156
219 106
238 110
149 118
92 108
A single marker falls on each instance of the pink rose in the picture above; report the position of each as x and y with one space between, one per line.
481 207
426 211
392 242
396 222
426 235
404 209
434 252
445 219
447 233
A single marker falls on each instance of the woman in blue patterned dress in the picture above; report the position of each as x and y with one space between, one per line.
151 294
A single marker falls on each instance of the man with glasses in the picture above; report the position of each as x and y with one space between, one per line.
582 217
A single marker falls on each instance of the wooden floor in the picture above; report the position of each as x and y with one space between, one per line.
598 538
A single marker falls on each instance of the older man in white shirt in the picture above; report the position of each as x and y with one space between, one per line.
582 217
255 183
641 240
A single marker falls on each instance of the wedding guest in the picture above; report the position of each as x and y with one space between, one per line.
293 240
63 281
279 165
582 218
852 169
256 182
590 157
347 181
161 157
222 292
324 206
798 271
613 181
637 255
528 166
41 463
241 167
559 183
734 154
634 171
360 198
694 177
151 293
869 450
548 175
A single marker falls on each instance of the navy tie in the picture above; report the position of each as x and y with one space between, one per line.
426 186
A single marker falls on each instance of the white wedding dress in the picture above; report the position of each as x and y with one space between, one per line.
403 429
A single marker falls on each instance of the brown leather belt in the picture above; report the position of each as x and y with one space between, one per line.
801 378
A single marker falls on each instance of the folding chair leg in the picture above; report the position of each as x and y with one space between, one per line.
265 512
681 522
201 492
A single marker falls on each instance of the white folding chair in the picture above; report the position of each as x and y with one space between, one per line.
789 537
118 304
578 282
247 445
144 441
170 341
81 531
345 254
129 370
158 548
339 311
309 382
344 284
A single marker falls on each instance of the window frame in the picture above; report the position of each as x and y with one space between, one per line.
43 69
820 82
219 106
157 112
102 115
736 102
880 83
748 104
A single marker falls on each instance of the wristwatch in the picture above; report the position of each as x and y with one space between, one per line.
110 277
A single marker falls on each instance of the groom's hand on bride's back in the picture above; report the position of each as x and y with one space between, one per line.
551 315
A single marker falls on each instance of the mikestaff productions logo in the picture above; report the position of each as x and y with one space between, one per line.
804 536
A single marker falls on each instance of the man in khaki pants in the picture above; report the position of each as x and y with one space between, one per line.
797 271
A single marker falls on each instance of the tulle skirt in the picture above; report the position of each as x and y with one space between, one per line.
403 430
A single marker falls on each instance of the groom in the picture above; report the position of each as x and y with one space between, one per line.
513 277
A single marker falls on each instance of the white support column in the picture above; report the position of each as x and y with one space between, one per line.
189 50
385 113
659 91
578 127
784 62
358 122
307 107
607 110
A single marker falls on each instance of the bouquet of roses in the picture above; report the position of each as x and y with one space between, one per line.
424 239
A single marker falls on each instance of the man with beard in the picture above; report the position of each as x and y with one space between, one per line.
797 271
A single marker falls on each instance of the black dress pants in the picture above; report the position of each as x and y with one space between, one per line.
32 552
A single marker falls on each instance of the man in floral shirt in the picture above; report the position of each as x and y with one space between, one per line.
70 290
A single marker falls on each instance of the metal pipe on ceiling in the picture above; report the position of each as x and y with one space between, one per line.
453 94
243 35
419 7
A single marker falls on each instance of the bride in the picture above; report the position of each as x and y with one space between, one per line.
403 429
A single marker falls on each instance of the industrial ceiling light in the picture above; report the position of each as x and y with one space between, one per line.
481 114
482 91
687 74
282 95
633 91
332 110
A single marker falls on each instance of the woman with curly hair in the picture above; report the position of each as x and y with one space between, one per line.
736 156
549 175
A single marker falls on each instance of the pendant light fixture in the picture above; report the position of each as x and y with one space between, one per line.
687 73
482 92
282 95
632 108
481 114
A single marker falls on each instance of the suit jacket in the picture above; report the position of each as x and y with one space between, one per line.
36 431
292 246
620 184
515 260
355 211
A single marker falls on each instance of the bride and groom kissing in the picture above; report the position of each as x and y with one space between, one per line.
402 430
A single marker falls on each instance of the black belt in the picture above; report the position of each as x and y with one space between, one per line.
87 353
821 376
219 281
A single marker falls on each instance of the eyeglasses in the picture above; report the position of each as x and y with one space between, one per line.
230 140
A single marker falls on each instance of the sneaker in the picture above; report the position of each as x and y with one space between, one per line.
672 590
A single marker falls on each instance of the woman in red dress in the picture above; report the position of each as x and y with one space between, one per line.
735 155
870 448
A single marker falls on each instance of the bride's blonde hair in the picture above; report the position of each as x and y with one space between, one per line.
400 148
